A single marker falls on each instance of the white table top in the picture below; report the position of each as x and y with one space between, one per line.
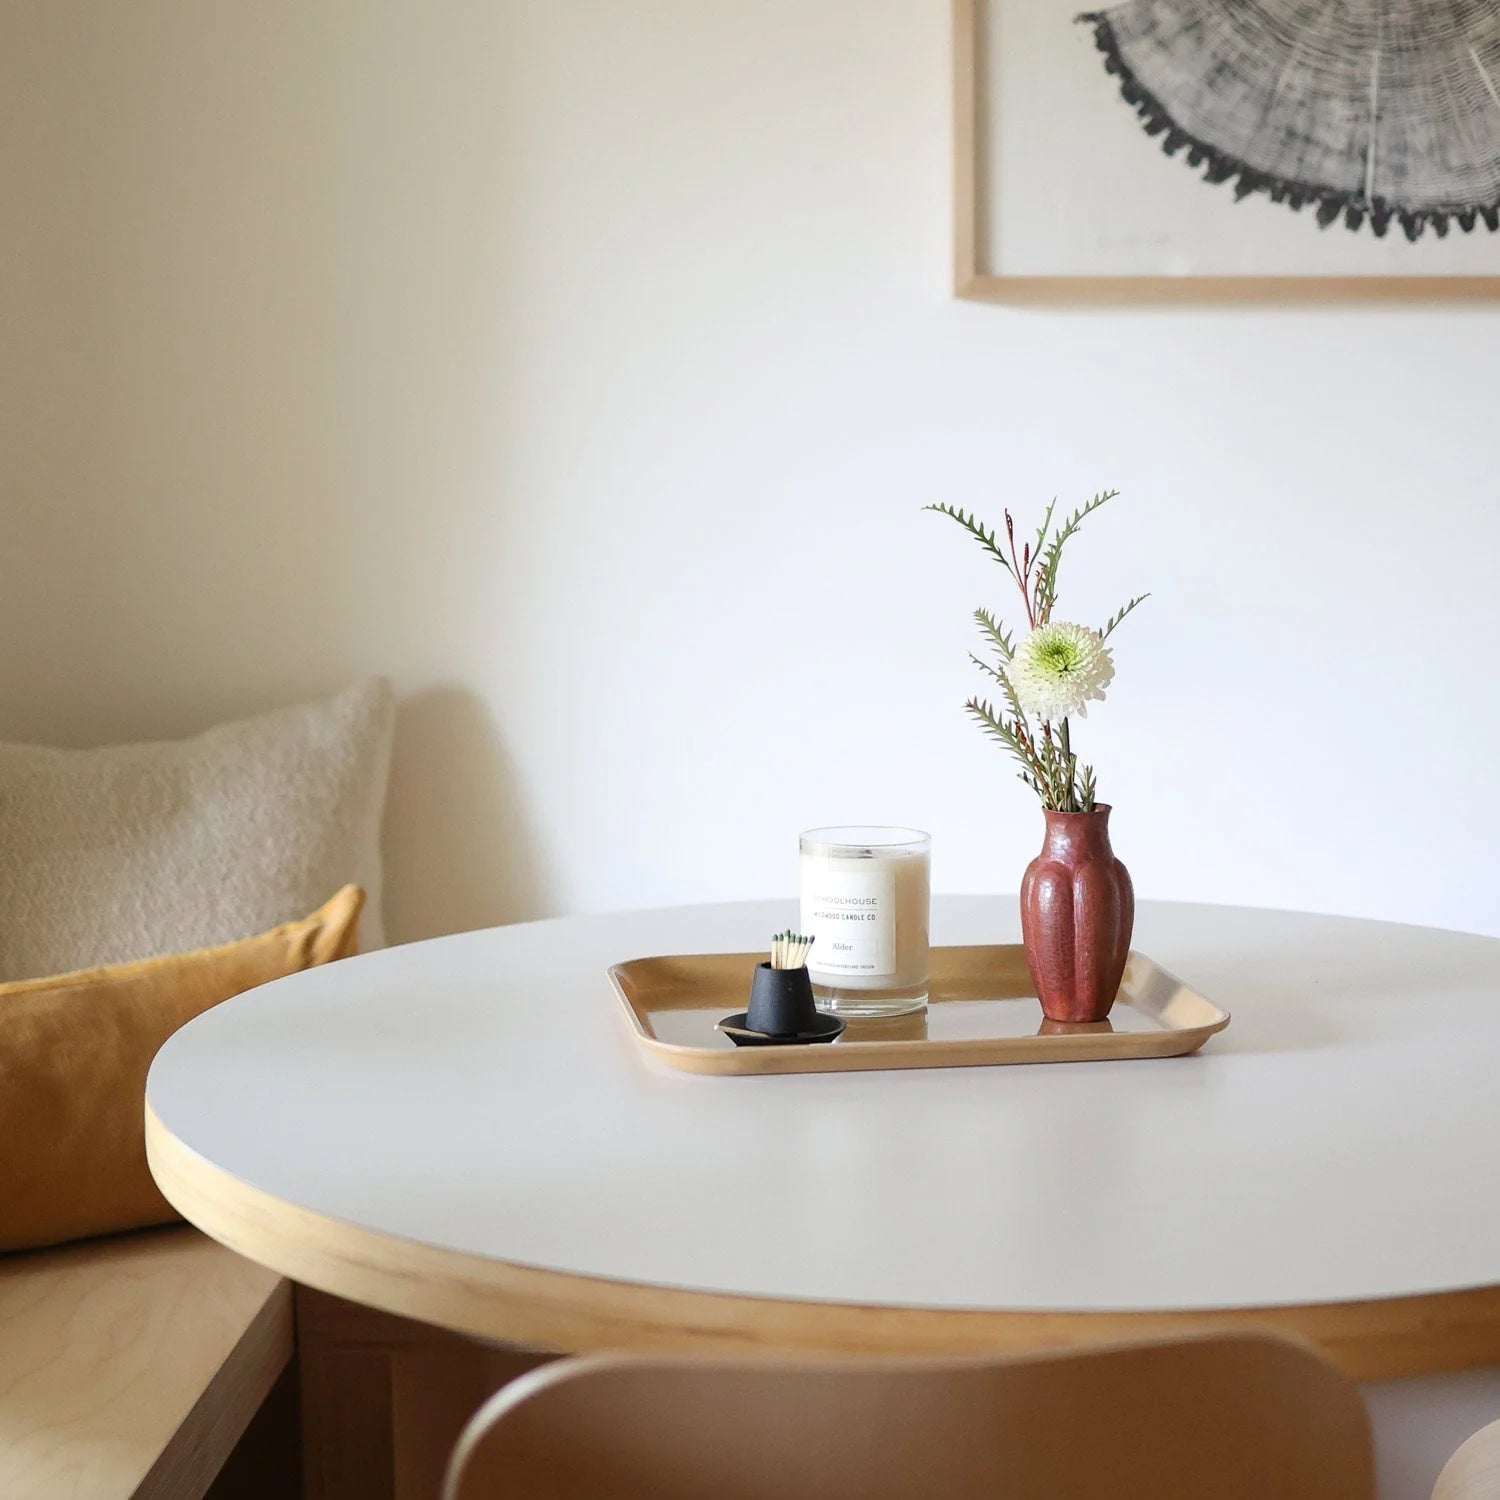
483 1093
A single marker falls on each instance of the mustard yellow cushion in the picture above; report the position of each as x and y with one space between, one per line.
74 1051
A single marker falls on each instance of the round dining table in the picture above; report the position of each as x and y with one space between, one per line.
467 1132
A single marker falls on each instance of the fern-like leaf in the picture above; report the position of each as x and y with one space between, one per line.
1046 591
1120 614
995 633
990 671
1088 789
1003 678
1041 531
982 534
983 714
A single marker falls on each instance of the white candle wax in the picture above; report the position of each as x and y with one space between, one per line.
865 902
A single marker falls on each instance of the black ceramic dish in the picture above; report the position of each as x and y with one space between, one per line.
824 1029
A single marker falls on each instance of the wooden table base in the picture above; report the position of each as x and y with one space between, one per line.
384 1398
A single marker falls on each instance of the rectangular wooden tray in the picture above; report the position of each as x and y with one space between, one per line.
982 1010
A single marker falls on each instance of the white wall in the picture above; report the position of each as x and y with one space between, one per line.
584 365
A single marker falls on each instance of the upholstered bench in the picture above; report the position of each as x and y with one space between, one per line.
132 1366
143 884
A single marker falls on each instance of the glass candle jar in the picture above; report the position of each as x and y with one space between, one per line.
865 901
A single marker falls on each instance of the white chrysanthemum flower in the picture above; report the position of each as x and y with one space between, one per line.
1059 668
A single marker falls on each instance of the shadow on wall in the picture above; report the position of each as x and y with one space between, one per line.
457 853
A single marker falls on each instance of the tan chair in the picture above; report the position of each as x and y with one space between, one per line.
1473 1473
1222 1418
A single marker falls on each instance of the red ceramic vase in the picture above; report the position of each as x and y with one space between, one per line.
1077 911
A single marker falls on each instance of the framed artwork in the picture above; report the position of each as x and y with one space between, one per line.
1275 149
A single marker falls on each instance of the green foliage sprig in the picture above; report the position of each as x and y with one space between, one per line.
1049 765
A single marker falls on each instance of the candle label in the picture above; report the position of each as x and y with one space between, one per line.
851 914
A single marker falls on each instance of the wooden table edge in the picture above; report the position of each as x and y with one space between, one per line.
500 1301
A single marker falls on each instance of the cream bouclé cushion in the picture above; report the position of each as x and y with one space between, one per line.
131 851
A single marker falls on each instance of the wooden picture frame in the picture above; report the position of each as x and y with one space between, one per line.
973 279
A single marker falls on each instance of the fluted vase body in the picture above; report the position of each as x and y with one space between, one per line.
1077 912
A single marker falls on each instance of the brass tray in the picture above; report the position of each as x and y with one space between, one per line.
982 1010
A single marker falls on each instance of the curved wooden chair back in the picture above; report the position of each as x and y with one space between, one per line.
1473 1473
1224 1418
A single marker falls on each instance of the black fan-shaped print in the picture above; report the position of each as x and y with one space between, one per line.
1372 112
